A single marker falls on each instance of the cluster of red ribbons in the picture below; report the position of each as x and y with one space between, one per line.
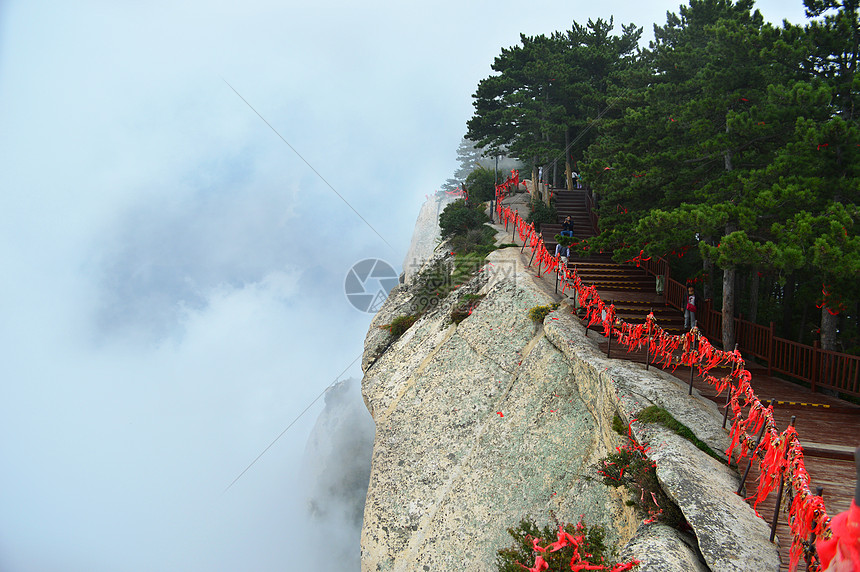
780 454
511 182
578 561
834 307
639 259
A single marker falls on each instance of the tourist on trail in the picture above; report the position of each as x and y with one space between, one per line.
562 252
567 227
690 308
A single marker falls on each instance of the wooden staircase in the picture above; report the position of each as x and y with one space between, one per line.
630 288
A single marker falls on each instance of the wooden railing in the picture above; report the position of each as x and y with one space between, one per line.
817 367
589 204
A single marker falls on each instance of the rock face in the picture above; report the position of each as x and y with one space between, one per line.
498 418
425 237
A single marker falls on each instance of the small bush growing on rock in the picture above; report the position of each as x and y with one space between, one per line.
400 324
538 313
481 240
437 281
618 425
558 547
481 184
460 218
465 307
541 213
629 466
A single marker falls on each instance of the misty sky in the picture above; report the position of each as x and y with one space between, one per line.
172 273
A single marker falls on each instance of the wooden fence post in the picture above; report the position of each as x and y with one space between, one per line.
816 365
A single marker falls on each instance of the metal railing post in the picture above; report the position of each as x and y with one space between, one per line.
729 394
757 442
648 344
811 555
781 485
609 346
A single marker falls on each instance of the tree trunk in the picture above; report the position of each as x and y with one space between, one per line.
568 171
729 308
828 329
755 280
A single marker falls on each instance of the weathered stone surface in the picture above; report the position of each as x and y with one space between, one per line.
426 234
477 426
482 423
730 536
660 548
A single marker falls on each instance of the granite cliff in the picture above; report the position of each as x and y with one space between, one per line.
481 423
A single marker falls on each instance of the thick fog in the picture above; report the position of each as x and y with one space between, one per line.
172 293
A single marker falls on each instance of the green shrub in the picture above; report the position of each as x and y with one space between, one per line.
538 313
522 553
400 324
628 466
460 218
480 239
541 213
432 285
481 185
565 240
618 425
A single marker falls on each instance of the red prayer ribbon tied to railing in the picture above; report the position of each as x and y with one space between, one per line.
502 188
779 453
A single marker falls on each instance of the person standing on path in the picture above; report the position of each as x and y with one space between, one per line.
690 308
562 252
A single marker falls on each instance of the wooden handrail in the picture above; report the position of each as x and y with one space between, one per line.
832 370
